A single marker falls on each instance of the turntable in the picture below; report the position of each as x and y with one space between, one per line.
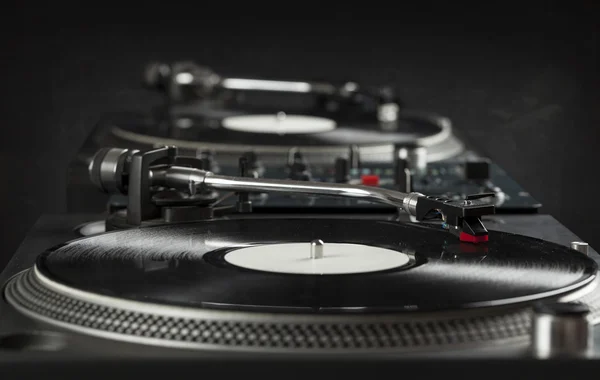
193 249
188 265
230 116
302 130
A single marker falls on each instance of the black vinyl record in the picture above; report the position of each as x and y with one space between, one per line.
184 265
206 125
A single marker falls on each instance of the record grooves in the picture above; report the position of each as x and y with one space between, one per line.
167 265
408 131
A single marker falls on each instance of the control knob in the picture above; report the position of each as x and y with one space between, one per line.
409 162
255 168
342 170
208 161
298 167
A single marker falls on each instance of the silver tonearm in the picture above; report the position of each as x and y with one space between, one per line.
200 180
135 173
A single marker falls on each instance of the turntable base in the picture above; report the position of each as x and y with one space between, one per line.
44 300
103 308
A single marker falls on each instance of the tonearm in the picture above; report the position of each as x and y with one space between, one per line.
132 172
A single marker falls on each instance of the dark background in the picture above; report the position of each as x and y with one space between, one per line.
520 82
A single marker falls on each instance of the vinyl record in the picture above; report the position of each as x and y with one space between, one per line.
353 266
277 129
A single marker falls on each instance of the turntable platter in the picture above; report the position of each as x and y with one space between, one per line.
307 130
188 265
272 136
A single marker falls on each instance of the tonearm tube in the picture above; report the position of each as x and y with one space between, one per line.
125 171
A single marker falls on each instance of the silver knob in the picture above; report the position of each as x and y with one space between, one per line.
580 246
316 249
416 158
388 112
561 330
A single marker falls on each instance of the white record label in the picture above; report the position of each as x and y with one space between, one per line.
332 258
279 123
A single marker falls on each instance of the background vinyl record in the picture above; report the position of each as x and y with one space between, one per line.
372 141
207 128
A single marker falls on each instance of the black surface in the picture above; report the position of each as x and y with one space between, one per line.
520 81
160 367
184 265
